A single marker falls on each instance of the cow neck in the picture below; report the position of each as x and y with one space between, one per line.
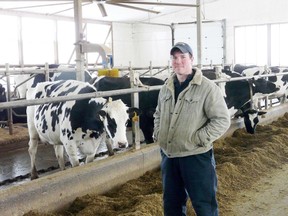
250 92
246 106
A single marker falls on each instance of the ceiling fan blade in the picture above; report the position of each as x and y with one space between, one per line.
150 3
132 7
102 9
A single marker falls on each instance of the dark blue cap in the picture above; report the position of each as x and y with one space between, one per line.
183 47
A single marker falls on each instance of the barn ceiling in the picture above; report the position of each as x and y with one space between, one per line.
103 10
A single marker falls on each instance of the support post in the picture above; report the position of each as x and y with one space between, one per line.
134 103
9 110
199 35
79 39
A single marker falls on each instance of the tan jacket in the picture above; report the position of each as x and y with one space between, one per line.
199 117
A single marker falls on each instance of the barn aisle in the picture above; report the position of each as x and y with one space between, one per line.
269 196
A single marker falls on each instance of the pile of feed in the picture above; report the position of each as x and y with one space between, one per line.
241 160
18 139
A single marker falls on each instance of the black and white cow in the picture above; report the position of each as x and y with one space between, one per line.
73 125
281 81
238 98
147 100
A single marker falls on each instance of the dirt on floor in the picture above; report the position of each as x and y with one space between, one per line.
252 174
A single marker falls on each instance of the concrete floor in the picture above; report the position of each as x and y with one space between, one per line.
16 163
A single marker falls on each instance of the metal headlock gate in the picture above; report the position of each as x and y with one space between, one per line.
133 90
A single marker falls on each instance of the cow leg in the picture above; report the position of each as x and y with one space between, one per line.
89 158
109 146
71 150
59 152
33 145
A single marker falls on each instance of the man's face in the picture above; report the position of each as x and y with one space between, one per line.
182 63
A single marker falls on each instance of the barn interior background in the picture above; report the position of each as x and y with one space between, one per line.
38 32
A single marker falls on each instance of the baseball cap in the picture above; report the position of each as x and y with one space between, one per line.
183 47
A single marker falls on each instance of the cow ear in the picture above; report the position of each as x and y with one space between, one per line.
102 115
261 112
132 110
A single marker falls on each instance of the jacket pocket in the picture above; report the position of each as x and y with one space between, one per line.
192 107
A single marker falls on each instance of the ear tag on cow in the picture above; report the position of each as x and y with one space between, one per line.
109 99
135 118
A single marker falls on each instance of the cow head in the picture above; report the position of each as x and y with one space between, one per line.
251 118
114 116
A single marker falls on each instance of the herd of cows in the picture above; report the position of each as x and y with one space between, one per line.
84 124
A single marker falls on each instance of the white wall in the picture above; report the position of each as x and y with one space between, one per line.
123 44
152 43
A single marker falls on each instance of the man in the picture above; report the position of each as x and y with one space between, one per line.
190 115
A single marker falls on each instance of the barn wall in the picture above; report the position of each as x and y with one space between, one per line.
123 44
153 42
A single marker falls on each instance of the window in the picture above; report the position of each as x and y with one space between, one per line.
9 52
66 40
251 45
279 44
35 41
38 40
261 45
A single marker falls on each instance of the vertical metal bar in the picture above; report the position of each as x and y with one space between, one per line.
9 110
134 103
20 42
79 39
199 35
46 71
269 45
173 33
224 42
56 50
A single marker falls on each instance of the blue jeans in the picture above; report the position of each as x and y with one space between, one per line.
194 177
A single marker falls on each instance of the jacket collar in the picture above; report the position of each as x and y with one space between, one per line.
197 79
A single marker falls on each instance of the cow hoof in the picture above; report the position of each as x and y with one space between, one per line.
111 153
34 177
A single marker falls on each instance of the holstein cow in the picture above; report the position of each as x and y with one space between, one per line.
69 125
280 81
147 100
238 98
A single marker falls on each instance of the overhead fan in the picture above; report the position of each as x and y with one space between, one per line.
127 4
101 5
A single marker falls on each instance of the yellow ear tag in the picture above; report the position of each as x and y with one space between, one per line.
135 118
